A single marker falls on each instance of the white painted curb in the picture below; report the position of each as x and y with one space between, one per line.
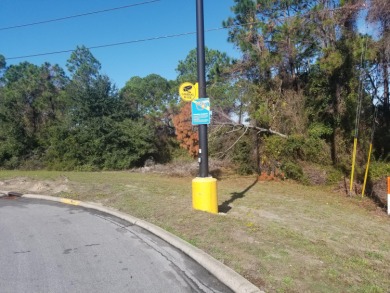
226 275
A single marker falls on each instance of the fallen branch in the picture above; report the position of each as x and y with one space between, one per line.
234 124
224 153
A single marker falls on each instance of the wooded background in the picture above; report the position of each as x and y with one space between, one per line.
307 84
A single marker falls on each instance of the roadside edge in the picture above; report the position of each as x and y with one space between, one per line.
229 277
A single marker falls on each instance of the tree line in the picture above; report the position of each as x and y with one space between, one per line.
309 73
307 84
81 121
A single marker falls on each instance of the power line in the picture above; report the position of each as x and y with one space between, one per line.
77 15
132 41
118 44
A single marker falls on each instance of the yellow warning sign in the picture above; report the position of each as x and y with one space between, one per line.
188 91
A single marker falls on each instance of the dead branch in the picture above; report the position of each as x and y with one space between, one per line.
234 128
238 139
234 124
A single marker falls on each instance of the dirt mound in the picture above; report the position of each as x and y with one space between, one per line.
217 169
27 185
314 174
378 191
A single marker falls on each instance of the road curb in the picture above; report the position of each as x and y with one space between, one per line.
226 275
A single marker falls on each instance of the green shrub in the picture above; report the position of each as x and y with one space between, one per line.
318 130
297 147
333 175
316 150
274 147
12 163
179 154
379 170
293 171
117 146
242 156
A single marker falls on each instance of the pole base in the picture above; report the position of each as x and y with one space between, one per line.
204 194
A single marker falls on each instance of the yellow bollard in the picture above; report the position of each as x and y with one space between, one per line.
353 164
204 194
366 173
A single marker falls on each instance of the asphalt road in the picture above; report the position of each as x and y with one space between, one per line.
52 247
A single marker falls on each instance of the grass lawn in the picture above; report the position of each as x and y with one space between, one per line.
281 236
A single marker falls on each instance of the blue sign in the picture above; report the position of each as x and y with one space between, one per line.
200 109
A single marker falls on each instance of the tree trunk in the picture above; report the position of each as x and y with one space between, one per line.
386 93
336 114
386 109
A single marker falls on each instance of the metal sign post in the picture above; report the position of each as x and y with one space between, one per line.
204 188
203 143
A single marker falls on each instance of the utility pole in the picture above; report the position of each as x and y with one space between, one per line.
204 187
202 129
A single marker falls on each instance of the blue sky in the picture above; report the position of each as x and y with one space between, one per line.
120 63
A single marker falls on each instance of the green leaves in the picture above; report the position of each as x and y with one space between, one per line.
216 63
102 143
83 66
28 104
78 122
147 96
2 62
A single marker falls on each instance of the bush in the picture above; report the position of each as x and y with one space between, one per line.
181 155
334 176
318 130
12 163
293 171
297 147
379 170
242 157
113 146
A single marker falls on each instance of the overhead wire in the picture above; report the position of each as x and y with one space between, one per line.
308 13
77 15
120 43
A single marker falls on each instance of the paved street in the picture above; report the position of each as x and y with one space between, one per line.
52 247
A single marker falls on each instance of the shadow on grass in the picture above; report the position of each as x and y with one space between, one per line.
225 208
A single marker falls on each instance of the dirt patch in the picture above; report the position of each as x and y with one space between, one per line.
217 169
314 174
379 191
26 185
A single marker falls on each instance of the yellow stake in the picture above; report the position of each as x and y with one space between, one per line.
353 163
366 174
